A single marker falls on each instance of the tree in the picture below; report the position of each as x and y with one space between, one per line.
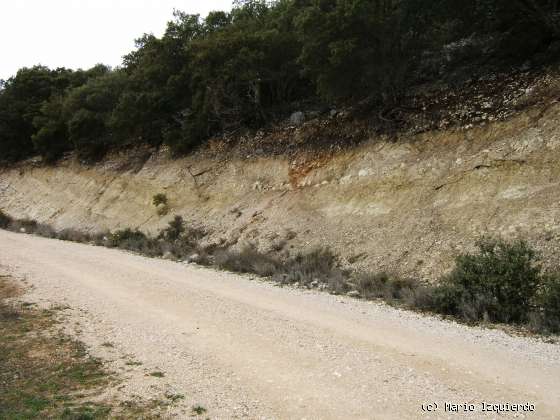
20 102
247 67
88 111
51 137
353 48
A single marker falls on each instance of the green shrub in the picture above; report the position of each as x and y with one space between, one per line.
161 203
101 238
392 289
319 266
382 286
198 410
498 283
5 220
183 248
173 231
247 260
23 225
46 231
74 235
181 240
548 305
159 199
133 240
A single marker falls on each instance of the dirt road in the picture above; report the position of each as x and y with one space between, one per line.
244 348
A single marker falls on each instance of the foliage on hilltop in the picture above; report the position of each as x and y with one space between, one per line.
255 64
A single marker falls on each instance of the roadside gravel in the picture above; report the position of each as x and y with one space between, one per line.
243 348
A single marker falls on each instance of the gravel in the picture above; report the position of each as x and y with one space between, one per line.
243 348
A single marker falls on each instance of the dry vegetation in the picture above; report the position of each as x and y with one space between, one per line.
503 282
46 374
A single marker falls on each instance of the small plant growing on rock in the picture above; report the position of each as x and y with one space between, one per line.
159 199
161 204
198 410
157 374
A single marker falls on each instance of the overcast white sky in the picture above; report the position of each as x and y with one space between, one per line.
82 33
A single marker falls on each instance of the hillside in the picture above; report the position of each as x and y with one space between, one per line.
405 204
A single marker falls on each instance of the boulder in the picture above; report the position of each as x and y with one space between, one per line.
297 118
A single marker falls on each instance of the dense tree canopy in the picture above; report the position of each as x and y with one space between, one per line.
248 66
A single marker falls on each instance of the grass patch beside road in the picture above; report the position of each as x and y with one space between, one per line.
46 374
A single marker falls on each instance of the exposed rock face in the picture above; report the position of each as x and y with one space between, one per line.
407 206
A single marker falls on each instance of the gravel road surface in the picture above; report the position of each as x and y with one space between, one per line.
244 348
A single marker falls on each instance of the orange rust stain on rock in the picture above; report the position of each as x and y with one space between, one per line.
304 166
